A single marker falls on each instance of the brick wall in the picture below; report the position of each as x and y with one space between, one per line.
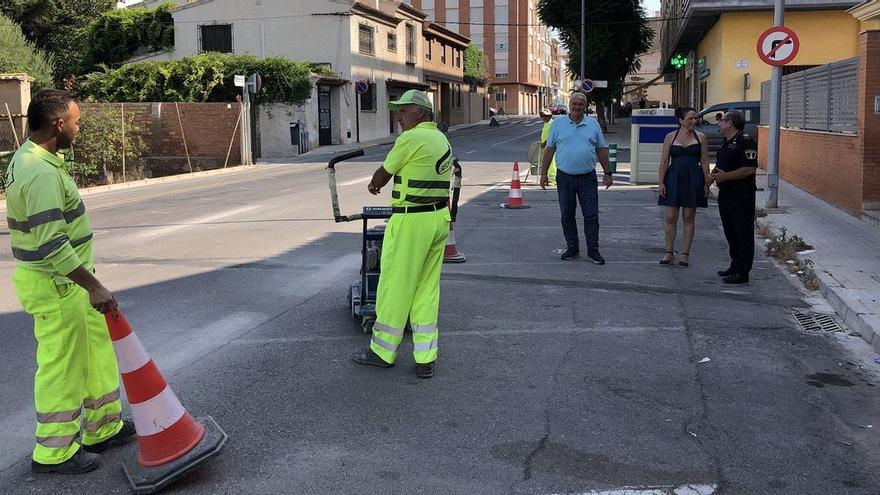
208 128
827 165
869 122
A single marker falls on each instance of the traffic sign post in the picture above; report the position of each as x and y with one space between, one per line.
587 85
777 46
361 87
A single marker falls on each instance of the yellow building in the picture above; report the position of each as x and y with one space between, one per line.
720 45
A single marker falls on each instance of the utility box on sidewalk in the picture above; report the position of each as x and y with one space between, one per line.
649 129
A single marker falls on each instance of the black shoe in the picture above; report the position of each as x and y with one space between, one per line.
685 263
121 438
368 357
594 256
668 261
726 273
81 462
571 253
425 370
736 278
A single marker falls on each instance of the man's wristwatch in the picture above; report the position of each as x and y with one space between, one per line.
608 173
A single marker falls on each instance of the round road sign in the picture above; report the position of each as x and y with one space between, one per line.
778 45
587 85
361 87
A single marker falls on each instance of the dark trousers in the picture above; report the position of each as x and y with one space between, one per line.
583 189
737 209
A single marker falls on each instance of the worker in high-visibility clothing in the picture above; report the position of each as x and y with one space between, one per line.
547 117
412 250
77 378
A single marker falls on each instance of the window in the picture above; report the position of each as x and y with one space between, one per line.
457 58
215 38
428 49
456 96
410 44
368 99
392 42
501 96
365 39
442 53
502 75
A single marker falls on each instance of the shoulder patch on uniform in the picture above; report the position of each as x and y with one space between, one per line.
746 136
751 154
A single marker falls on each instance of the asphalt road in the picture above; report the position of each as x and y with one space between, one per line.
554 377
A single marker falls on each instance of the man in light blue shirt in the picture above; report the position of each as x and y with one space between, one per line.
577 143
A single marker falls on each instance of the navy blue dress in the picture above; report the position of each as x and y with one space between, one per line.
684 177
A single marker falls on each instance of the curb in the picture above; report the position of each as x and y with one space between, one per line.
856 316
85 191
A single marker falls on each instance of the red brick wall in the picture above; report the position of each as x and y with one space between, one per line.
208 128
869 122
825 164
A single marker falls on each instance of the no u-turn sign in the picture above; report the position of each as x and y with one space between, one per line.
778 45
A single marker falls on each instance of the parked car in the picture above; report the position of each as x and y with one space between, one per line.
707 120
558 109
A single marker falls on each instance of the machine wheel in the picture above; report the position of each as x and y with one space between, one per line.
354 299
367 324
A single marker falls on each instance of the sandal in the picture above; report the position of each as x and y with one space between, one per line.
668 261
685 263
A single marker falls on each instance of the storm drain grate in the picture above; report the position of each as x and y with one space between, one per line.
817 322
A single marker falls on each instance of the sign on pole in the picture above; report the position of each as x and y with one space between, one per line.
600 84
361 87
587 85
239 81
778 45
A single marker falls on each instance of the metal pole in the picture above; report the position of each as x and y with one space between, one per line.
122 109
583 39
775 111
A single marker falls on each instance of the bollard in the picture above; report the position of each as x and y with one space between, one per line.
612 157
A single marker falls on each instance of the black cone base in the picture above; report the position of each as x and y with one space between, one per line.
145 479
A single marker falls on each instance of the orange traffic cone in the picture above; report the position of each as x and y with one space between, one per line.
514 198
170 442
452 254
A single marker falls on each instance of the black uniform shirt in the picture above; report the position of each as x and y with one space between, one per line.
739 151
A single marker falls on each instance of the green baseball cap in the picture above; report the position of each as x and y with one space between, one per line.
412 97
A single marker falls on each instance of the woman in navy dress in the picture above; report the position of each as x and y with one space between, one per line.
684 186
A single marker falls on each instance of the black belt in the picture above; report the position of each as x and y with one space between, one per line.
419 209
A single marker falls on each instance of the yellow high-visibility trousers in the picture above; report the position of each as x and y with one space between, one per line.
409 287
76 367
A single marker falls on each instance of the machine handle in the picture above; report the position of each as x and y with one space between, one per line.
345 156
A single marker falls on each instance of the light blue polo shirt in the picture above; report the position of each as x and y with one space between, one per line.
576 144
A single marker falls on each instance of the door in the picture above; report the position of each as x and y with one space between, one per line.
392 117
325 117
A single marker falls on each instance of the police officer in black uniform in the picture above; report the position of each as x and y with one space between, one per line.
734 173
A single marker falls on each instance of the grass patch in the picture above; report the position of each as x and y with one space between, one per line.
760 213
785 248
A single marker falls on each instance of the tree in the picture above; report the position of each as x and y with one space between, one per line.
617 33
117 35
18 55
475 66
96 155
59 27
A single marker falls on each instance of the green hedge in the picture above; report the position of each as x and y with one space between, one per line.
18 55
200 78
120 34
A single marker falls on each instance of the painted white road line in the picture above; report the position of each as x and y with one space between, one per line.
356 181
654 490
536 131
198 221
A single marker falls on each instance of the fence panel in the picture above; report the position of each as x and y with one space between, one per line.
823 98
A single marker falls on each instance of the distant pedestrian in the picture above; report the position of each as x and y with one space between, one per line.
642 103
577 143
628 109
420 165
734 172
77 378
547 117
684 182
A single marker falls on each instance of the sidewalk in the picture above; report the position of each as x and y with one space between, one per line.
619 133
846 259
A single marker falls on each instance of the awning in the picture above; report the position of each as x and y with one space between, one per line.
406 84
331 81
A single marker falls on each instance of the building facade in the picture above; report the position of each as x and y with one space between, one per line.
516 45
649 83
717 40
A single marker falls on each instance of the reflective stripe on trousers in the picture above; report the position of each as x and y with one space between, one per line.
76 367
409 288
